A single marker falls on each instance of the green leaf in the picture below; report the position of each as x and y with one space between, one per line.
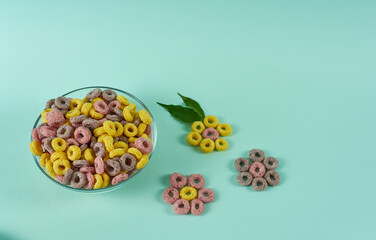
194 105
184 114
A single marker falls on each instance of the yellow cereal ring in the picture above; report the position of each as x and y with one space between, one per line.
76 103
128 112
85 100
85 109
224 129
108 143
143 161
122 106
132 139
211 121
130 130
123 100
89 155
221 144
119 129
117 152
100 138
36 148
44 113
50 168
98 181
188 193
194 138
198 126
121 144
58 155
207 145
106 180
72 113
135 152
145 116
141 129
147 137
95 115
59 144
99 131
61 166
44 158
96 100
109 127
74 152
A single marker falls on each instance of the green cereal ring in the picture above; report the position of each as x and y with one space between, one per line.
242 164
259 184
271 163
256 155
272 177
244 178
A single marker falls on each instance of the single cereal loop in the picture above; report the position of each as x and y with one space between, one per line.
207 145
57 156
224 129
114 105
181 207
198 127
94 93
196 180
119 129
123 100
272 177
76 103
188 193
49 103
256 155
178 180
101 137
121 144
77 119
141 129
89 155
117 152
113 117
135 152
109 95
221 144
210 133
87 169
112 167
127 162
99 150
271 163
91 123
143 161
67 176
242 164
73 153
130 130
98 181
132 140
197 207
259 184
62 103
60 166
35 135
82 135
44 158
59 144
108 143
80 163
101 107
145 116
86 108
211 121
257 169
96 100
72 113
99 165
128 112
143 145
36 148
48 131
50 169
99 131
55 118
119 178
65 131
109 127
95 114
206 195
170 195
244 178
194 138
78 180
47 144
106 180
90 181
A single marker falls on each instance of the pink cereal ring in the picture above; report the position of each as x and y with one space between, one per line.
101 107
87 169
196 180
59 178
55 118
48 131
99 165
112 105
148 131
35 135
72 141
257 169
90 181
178 180
181 206
82 135
170 195
143 145
101 121
119 178
206 195
76 125
197 207
211 133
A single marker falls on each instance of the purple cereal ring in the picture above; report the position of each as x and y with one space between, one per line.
197 207
35 135
47 144
244 178
83 147
112 167
63 111
112 105
87 169
67 176
121 138
93 94
137 121
196 181
178 180
80 163
257 169
99 150
259 184
101 121
59 178
55 118
49 103
78 180
108 95
143 145
118 112
181 206
119 178
206 195
90 181
256 155
272 177
77 119
82 135
62 103
90 123
127 162
210 133
170 195
113 117
48 131
93 141
148 131
99 165
101 107
242 164
64 131
271 163
72 141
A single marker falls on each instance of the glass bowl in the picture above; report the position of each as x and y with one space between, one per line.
81 93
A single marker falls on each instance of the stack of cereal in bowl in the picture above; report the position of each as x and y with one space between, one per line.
93 140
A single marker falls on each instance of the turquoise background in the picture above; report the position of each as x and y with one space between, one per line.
295 78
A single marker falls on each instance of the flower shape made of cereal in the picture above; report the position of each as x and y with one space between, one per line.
188 195
260 172
206 134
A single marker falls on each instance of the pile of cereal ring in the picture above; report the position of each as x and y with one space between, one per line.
206 134
191 198
94 142
260 173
